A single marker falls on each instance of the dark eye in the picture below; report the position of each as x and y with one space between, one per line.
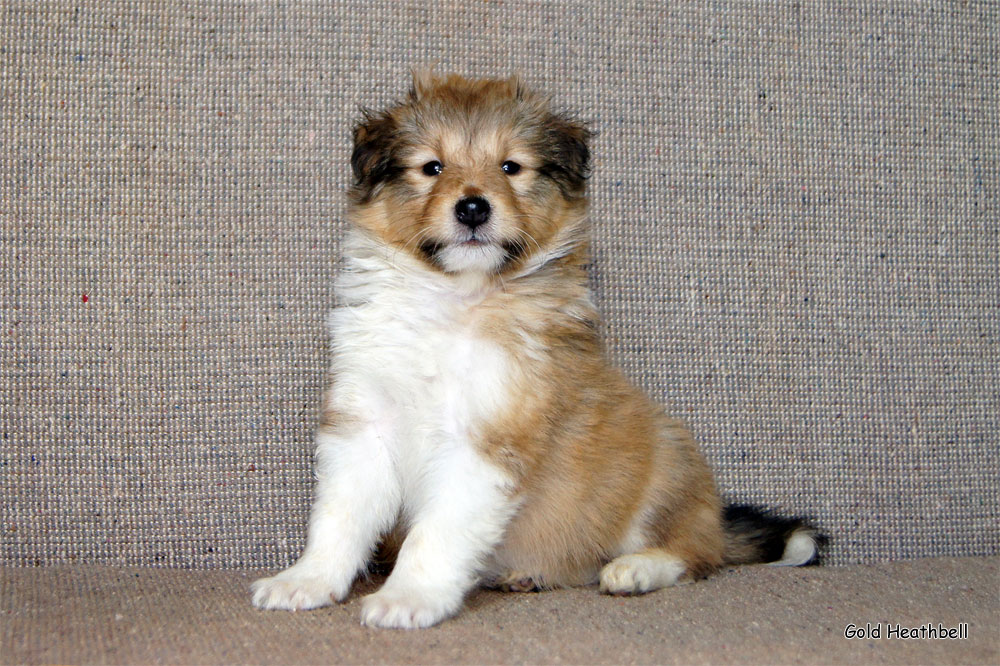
432 168
510 168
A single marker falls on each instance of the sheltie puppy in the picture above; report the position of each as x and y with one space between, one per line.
473 426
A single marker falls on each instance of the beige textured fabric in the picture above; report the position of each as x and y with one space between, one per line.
795 210
754 615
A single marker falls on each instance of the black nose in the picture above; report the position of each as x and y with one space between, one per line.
472 211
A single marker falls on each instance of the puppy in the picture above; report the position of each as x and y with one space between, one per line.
473 425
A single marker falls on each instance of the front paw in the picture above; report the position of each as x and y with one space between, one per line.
407 608
296 588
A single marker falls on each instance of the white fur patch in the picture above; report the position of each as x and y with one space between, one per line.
639 573
635 537
411 608
296 588
800 549
484 258
456 523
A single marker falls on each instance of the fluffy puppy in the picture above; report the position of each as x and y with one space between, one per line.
473 425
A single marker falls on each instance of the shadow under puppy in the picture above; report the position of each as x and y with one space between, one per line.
473 420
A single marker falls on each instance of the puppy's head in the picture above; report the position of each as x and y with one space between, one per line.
471 176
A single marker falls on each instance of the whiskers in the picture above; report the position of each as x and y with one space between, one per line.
522 245
413 242
522 238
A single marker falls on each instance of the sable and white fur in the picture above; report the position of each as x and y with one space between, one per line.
473 428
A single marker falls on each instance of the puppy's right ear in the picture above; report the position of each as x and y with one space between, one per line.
373 160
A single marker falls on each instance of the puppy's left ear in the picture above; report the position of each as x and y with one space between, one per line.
373 160
424 79
567 155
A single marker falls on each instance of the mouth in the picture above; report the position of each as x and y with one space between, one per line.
474 241
432 248
474 238
474 251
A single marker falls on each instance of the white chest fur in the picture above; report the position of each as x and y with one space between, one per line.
409 353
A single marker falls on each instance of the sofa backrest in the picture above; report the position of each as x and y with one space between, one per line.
796 248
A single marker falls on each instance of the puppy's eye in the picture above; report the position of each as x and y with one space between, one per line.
510 168
432 168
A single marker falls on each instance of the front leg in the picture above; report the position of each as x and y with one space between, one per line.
357 500
462 507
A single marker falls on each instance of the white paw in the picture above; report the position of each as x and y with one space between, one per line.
406 608
296 588
640 573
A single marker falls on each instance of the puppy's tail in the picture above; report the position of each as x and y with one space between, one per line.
754 535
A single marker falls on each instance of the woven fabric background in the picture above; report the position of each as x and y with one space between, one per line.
796 247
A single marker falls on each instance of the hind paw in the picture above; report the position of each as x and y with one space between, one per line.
640 573
517 581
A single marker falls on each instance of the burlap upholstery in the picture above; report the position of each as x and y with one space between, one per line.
796 247
751 615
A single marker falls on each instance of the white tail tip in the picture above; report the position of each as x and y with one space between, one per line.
800 549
